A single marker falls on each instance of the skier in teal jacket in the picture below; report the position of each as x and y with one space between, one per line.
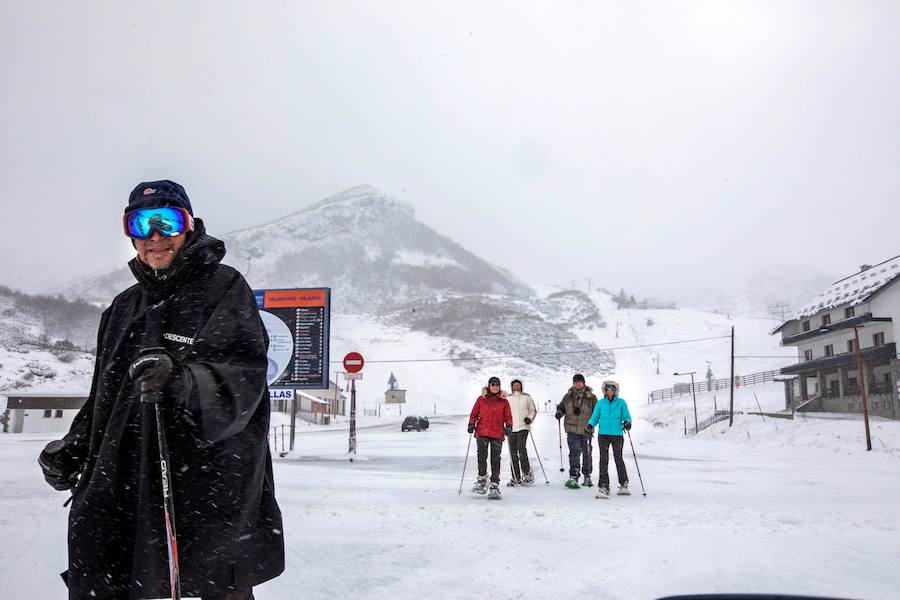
612 416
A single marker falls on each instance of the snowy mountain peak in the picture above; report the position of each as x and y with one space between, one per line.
362 198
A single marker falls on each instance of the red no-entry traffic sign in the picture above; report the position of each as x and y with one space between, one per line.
353 362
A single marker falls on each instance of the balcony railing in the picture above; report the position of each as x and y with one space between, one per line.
874 389
880 387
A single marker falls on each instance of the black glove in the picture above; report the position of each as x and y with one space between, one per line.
507 429
155 370
559 415
627 425
471 428
589 429
527 421
60 465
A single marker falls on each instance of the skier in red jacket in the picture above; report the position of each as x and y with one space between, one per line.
490 421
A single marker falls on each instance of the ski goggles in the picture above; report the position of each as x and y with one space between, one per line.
169 221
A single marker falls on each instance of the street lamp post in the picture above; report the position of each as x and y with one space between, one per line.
694 394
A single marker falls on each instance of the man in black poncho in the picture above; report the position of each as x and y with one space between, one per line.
190 331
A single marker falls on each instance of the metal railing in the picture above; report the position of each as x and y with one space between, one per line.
718 416
808 401
681 389
881 387
853 391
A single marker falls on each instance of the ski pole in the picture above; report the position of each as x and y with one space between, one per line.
169 502
512 473
152 334
539 460
634 454
465 462
166 480
559 428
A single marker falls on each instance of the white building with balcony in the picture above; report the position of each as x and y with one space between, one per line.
826 377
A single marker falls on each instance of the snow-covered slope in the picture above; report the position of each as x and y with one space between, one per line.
379 260
31 359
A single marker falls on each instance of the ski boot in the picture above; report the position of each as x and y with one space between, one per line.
602 493
623 489
480 486
587 481
572 484
528 480
494 492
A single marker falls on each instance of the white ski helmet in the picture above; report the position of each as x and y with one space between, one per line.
609 383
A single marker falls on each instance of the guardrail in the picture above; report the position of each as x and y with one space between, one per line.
719 415
681 389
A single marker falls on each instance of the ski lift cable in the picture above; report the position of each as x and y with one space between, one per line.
541 354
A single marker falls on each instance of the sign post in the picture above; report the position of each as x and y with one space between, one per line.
353 364
293 420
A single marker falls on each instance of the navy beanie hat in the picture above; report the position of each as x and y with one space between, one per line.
149 194
578 377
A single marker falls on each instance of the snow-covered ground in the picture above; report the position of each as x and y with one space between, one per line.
763 506
718 516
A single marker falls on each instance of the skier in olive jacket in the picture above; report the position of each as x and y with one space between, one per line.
577 406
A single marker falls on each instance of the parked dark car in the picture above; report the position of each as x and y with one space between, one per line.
413 422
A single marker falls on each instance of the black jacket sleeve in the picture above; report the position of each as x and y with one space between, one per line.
226 369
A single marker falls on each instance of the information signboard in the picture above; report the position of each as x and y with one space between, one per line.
298 322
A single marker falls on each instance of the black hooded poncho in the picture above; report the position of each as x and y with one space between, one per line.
216 419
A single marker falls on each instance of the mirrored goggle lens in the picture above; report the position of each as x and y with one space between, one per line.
166 220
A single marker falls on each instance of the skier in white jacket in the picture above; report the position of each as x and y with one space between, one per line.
523 413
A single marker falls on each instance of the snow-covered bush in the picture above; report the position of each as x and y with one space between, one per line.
39 369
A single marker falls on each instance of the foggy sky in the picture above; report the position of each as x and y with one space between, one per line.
680 150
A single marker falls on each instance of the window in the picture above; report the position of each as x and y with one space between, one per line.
849 312
878 339
807 354
58 414
851 345
826 320
48 413
829 350
887 378
805 325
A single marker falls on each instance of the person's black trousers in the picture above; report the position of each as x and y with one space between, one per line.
580 454
518 448
496 446
617 442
